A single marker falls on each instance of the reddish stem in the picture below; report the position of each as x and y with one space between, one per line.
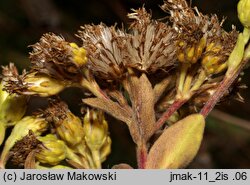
221 90
142 156
166 115
223 87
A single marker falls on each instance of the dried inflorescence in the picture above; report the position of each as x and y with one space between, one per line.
146 47
55 65
151 44
22 149
31 83
200 33
56 112
13 82
54 56
104 47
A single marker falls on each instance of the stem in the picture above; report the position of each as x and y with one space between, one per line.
201 78
72 156
223 87
187 84
2 166
183 73
182 97
94 88
96 158
166 115
142 153
237 54
84 151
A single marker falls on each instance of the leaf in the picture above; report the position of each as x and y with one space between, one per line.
178 144
117 95
122 166
161 87
113 108
123 113
142 98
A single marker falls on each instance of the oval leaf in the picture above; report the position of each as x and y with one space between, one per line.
122 166
178 144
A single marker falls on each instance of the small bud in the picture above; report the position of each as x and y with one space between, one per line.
34 123
191 53
68 126
96 129
79 54
214 61
42 85
96 135
70 129
52 150
244 12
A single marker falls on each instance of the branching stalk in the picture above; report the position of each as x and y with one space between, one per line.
221 90
166 115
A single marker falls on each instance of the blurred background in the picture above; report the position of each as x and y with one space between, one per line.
22 22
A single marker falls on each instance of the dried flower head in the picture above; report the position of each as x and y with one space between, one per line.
104 47
196 31
34 123
22 148
32 83
218 49
185 19
147 47
150 46
12 81
55 57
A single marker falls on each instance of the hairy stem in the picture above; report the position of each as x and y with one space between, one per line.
142 153
223 87
94 88
166 115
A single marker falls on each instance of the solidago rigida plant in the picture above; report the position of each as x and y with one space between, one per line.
160 78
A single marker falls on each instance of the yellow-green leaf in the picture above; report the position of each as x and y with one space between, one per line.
2 131
178 144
